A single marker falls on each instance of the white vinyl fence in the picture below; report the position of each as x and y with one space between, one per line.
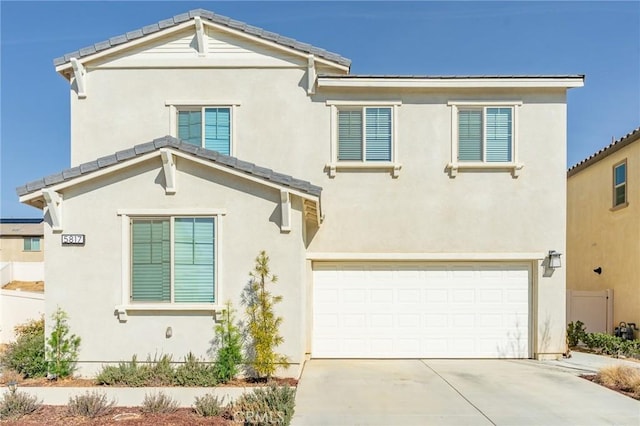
17 307
21 271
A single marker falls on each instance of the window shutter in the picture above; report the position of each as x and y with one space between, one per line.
349 135
190 127
378 131
217 130
194 260
470 135
498 136
151 257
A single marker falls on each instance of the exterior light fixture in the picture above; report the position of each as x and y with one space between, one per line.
554 259
598 270
168 332
12 385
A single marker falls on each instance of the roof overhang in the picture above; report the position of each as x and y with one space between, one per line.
613 147
462 82
48 192
238 29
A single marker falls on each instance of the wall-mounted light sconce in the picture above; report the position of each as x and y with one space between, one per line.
168 333
598 270
12 385
554 259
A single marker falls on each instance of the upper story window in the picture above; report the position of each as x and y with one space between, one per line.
31 243
620 184
364 135
173 260
484 136
208 127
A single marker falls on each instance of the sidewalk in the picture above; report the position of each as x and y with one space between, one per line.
585 363
132 397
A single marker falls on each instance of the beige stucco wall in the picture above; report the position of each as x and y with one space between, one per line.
279 126
12 250
599 236
86 281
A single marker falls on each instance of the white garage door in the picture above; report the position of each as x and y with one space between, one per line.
405 310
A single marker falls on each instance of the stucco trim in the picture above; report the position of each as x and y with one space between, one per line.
510 256
410 82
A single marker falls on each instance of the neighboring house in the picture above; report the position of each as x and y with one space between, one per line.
405 216
21 240
603 231
22 267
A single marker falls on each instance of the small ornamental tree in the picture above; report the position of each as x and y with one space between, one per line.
62 348
229 354
263 324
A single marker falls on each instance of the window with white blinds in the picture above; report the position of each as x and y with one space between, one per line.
365 134
173 259
485 134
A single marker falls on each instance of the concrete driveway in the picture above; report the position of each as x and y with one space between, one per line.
454 392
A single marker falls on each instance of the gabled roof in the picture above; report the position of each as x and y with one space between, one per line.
212 18
231 163
614 146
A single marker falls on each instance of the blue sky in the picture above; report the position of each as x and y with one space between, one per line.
599 39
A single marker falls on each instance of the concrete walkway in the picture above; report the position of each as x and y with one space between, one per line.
133 397
455 392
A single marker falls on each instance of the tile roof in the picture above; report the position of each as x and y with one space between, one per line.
211 17
171 142
614 146
452 77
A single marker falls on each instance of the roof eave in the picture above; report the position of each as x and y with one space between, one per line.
614 147
152 32
451 82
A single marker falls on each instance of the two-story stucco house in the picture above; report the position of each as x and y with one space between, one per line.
406 216
603 234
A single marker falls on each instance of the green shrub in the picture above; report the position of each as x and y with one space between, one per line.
575 333
273 405
229 354
160 372
125 373
209 406
194 372
263 324
27 354
90 404
62 348
158 403
612 345
17 404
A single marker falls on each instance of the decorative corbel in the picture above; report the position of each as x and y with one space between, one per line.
169 167
515 172
396 170
200 38
80 75
54 207
285 210
311 75
453 170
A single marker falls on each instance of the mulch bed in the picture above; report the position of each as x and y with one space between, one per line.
594 378
129 416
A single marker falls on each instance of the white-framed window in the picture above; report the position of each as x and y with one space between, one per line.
205 124
364 135
31 243
620 184
170 259
484 135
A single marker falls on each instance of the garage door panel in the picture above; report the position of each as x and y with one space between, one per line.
422 310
